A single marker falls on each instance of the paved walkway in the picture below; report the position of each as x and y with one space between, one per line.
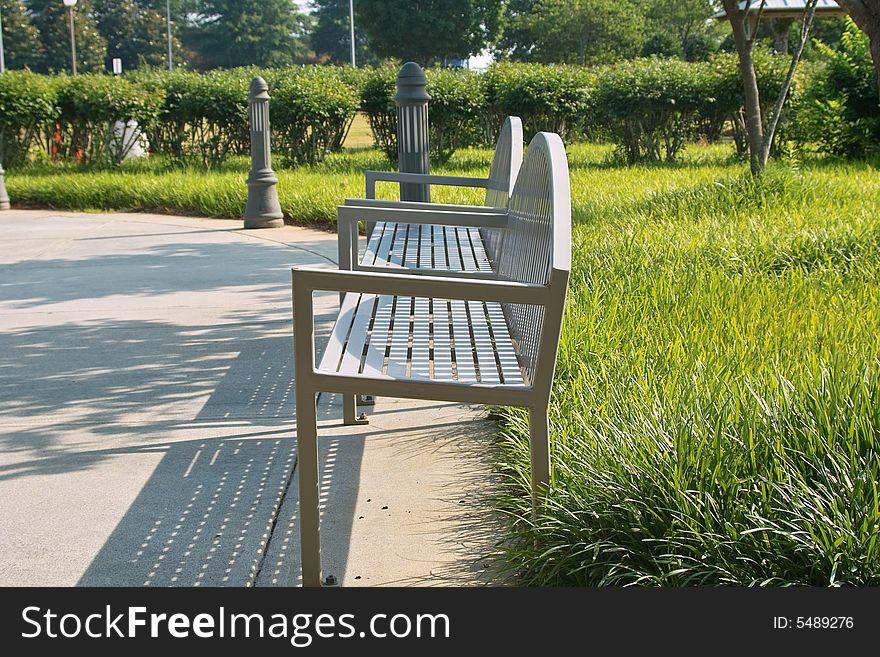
146 419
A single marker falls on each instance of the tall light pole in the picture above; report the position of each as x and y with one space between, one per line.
70 4
351 30
168 25
2 54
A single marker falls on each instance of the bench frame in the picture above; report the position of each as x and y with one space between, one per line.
534 395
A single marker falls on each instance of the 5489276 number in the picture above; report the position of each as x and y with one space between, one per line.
824 622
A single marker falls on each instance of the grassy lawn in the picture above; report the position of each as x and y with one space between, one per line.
716 416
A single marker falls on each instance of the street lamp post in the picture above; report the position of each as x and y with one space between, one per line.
168 26
70 4
351 30
2 54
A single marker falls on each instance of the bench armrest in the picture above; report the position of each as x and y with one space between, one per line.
418 205
425 178
494 219
307 280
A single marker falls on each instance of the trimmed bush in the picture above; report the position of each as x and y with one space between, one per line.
553 98
454 111
730 98
89 107
311 111
377 102
652 106
27 103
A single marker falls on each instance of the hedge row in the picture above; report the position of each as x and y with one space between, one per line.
649 107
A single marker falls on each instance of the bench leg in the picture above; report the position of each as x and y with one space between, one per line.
309 493
350 411
539 443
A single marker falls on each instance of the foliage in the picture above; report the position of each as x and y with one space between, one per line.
134 33
21 40
715 414
574 31
311 111
377 102
27 102
457 103
332 37
89 107
652 106
454 111
230 33
553 98
51 18
840 112
729 96
429 32
684 28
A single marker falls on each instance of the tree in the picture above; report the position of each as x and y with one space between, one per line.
332 36
134 33
21 40
573 31
688 22
866 14
229 33
429 30
744 19
51 18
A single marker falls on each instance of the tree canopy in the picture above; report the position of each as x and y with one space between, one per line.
50 17
573 31
228 33
21 40
428 31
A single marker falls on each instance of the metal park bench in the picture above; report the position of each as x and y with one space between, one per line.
429 248
486 337
395 244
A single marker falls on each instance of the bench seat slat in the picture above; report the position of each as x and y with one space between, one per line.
425 339
336 344
441 345
397 355
420 359
483 343
374 363
510 369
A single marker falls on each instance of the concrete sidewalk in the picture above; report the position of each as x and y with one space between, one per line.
146 419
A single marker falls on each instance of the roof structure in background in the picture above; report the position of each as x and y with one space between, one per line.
790 8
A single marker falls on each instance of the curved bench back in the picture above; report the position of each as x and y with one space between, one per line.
537 249
505 167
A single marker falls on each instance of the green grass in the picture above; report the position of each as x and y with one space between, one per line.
716 414
308 195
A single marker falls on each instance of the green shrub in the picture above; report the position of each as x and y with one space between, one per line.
456 105
454 111
652 106
27 104
377 102
89 107
840 112
730 98
552 98
203 118
311 111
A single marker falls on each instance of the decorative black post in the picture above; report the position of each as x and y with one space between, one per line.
412 129
262 209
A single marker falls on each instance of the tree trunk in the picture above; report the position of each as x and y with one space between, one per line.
754 128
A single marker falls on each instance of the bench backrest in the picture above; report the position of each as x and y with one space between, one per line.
537 249
505 167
